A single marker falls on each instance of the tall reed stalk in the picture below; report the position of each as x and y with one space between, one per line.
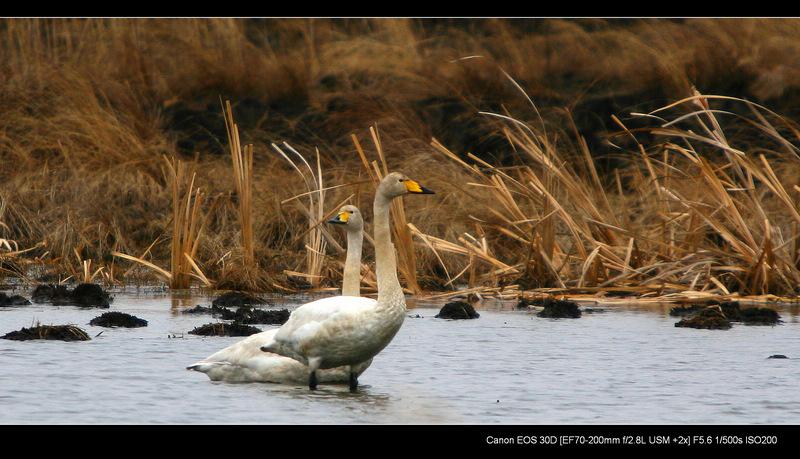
242 159
186 229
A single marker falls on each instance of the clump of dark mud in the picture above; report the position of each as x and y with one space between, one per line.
710 318
13 300
53 332
49 293
225 329
244 314
687 311
457 310
240 318
198 310
759 316
118 319
247 315
714 315
551 307
87 295
230 299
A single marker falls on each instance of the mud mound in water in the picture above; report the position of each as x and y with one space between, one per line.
239 319
457 310
730 311
223 329
54 332
244 314
13 300
198 310
230 299
88 295
759 316
118 319
551 307
49 293
710 318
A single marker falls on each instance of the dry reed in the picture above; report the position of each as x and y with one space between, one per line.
711 223
186 224
316 236
242 159
697 203
187 227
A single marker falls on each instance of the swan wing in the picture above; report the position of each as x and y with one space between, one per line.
313 318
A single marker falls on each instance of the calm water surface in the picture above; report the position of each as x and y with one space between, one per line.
625 365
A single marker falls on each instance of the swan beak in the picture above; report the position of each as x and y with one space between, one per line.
340 218
416 188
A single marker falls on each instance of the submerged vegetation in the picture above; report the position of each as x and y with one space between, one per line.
620 157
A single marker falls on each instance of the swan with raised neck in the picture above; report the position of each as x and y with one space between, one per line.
340 331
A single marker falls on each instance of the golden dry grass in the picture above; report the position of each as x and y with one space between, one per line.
566 154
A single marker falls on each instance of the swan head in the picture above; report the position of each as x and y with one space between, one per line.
349 216
398 184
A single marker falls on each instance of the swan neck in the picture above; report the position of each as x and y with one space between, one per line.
385 264
351 283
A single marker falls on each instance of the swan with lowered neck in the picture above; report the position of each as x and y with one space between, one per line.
345 330
244 361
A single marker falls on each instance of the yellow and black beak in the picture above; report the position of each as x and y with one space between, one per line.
416 188
340 218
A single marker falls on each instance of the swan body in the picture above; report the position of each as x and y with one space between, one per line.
345 331
244 361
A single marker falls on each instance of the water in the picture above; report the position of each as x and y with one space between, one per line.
625 365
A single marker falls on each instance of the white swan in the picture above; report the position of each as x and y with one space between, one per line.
345 330
246 362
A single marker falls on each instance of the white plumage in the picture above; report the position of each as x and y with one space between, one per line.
346 330
246 362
